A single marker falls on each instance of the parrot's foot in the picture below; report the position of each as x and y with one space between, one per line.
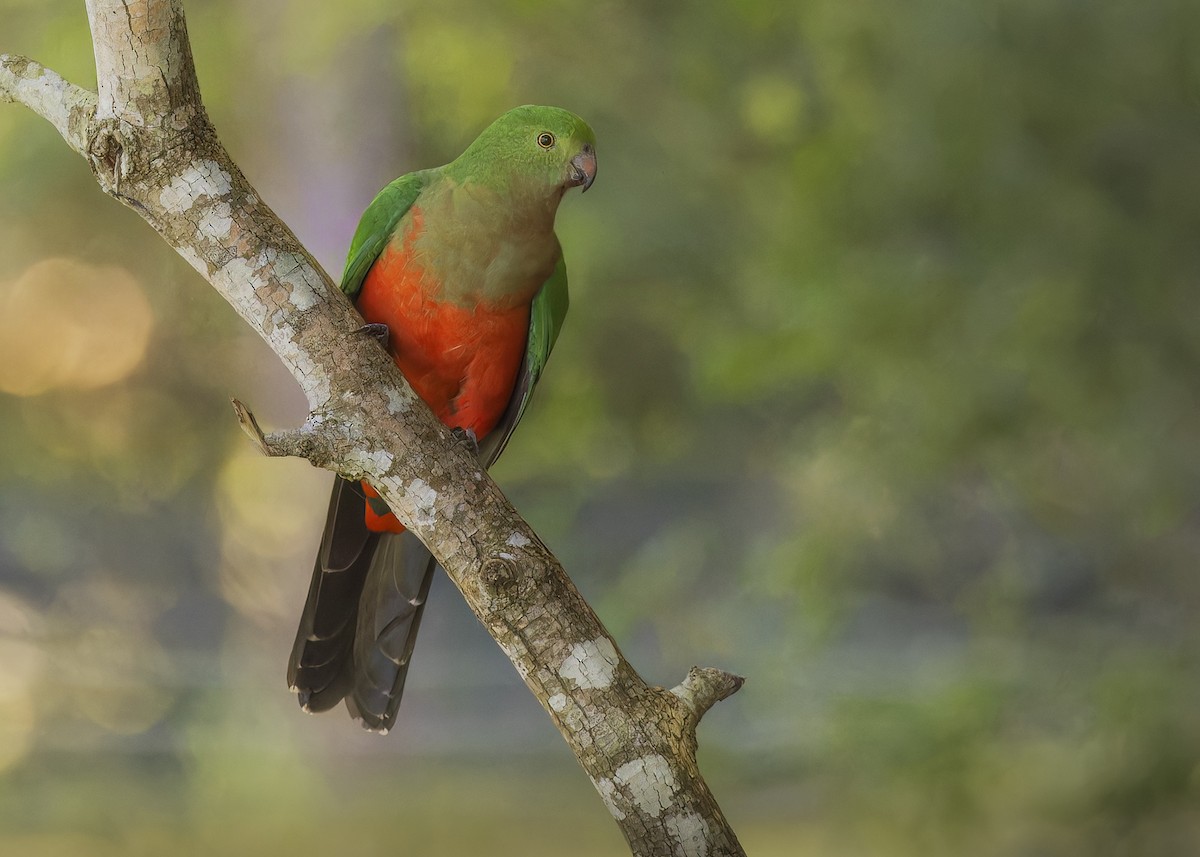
467 438
379 331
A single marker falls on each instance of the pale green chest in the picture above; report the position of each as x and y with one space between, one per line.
474 248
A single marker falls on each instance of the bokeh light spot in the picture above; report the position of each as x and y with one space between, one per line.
16 728
771 107
121 688
270 525
65 323
21 660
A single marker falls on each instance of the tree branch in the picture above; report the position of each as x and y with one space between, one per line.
67 107
150 145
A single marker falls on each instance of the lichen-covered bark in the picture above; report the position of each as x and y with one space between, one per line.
150 145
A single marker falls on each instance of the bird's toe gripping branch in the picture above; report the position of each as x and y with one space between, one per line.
379 331
467 438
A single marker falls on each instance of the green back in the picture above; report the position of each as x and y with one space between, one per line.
377 225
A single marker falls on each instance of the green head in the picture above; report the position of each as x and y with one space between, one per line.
544 148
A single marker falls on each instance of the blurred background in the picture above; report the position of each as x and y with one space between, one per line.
879 387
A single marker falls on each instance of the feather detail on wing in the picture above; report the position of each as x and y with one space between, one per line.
377 225
389 614
545 321
320 668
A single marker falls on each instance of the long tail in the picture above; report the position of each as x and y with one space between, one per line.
360 622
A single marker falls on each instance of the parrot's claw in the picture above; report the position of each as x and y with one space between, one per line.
467 438
379 331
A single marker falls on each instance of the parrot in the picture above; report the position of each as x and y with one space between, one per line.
458 271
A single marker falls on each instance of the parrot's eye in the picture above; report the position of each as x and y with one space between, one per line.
546 140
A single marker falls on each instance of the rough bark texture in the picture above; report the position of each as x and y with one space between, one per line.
150 145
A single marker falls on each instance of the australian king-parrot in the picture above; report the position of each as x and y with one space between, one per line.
461 268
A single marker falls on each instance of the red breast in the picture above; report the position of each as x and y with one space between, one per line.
462 360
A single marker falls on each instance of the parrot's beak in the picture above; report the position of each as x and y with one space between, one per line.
583 168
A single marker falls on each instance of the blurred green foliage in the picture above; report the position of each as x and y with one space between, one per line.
880 387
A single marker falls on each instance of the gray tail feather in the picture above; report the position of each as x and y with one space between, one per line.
389 615
360 622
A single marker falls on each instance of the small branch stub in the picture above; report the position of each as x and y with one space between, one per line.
306 442
250 426
705 687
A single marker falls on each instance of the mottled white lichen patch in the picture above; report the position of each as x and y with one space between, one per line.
294 271
558 702
218 222
608 791
397 402
52 96
424 498
591 664
200 179
291 269
243 282
316 381
373 461
517 540
690 832
651 784
241 278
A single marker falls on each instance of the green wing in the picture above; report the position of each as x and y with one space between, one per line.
377 225
545 321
